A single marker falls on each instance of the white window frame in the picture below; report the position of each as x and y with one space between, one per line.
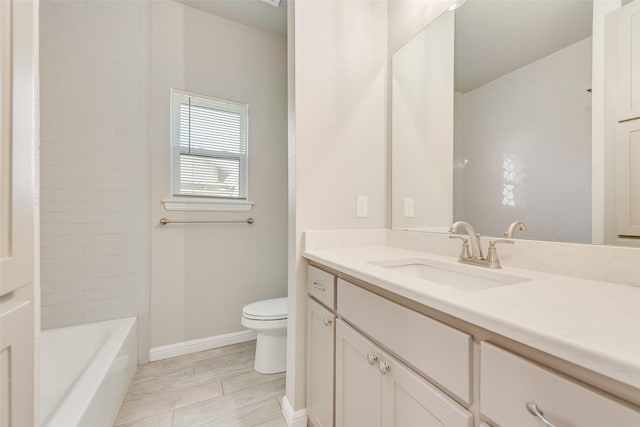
196 202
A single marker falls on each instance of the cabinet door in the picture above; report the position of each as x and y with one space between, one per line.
439 351
408 400
320 364
358 383
628 178
629 61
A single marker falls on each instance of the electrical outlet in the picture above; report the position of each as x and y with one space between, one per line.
362 206
409 207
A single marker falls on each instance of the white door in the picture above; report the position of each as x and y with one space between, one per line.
358 383
18 139
320 364
409 400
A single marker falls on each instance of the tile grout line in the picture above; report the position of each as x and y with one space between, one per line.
189 372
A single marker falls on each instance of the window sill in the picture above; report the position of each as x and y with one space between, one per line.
207 205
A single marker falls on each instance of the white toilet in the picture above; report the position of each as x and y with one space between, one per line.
268 318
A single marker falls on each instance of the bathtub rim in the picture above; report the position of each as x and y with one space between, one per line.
73 407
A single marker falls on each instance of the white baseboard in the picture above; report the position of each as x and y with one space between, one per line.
193 346
291 417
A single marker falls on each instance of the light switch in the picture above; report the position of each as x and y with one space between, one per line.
409 207
362 206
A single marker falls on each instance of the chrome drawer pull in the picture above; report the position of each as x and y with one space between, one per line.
326 321
319 286
372 358
533 408
384 367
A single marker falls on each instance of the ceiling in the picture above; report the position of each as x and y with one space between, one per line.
254 13
495 37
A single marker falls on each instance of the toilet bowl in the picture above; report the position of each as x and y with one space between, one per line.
268 318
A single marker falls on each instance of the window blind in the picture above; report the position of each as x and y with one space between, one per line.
209 140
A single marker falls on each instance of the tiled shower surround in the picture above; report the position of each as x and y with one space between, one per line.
94 160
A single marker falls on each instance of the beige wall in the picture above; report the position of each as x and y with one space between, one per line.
338 149
422 130
202 275
408 17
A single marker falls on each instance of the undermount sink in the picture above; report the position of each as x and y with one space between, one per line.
457 276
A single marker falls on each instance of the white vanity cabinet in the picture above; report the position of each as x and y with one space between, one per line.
509 382
320 364
320 346
440 352
396 363
373 389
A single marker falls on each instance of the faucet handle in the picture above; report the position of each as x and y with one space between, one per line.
466 252
492 243
492 259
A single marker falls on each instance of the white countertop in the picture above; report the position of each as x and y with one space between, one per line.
593 324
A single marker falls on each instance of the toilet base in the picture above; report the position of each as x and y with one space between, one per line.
271 353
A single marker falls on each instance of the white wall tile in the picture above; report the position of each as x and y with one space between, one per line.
61 320
46 287
82 306
94 161
46 264
545 170
59 251
69 263
97 316
62 297
100 282
77 284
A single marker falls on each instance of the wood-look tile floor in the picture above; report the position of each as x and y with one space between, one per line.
211 388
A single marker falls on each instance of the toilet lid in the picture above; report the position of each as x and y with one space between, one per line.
269 309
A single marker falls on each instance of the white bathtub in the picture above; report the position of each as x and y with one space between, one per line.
85 371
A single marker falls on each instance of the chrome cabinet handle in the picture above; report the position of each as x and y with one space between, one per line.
384 367
533 408
327 321
319 286
372 358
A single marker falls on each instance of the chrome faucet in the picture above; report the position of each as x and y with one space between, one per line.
515 225
474 238
474 255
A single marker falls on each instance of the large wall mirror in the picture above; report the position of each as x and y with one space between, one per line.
491 120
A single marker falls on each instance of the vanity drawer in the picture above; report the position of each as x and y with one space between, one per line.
508 382
322 286
441 352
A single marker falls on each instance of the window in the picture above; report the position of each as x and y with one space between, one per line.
209 147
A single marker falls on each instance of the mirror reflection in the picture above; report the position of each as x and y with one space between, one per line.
491 121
